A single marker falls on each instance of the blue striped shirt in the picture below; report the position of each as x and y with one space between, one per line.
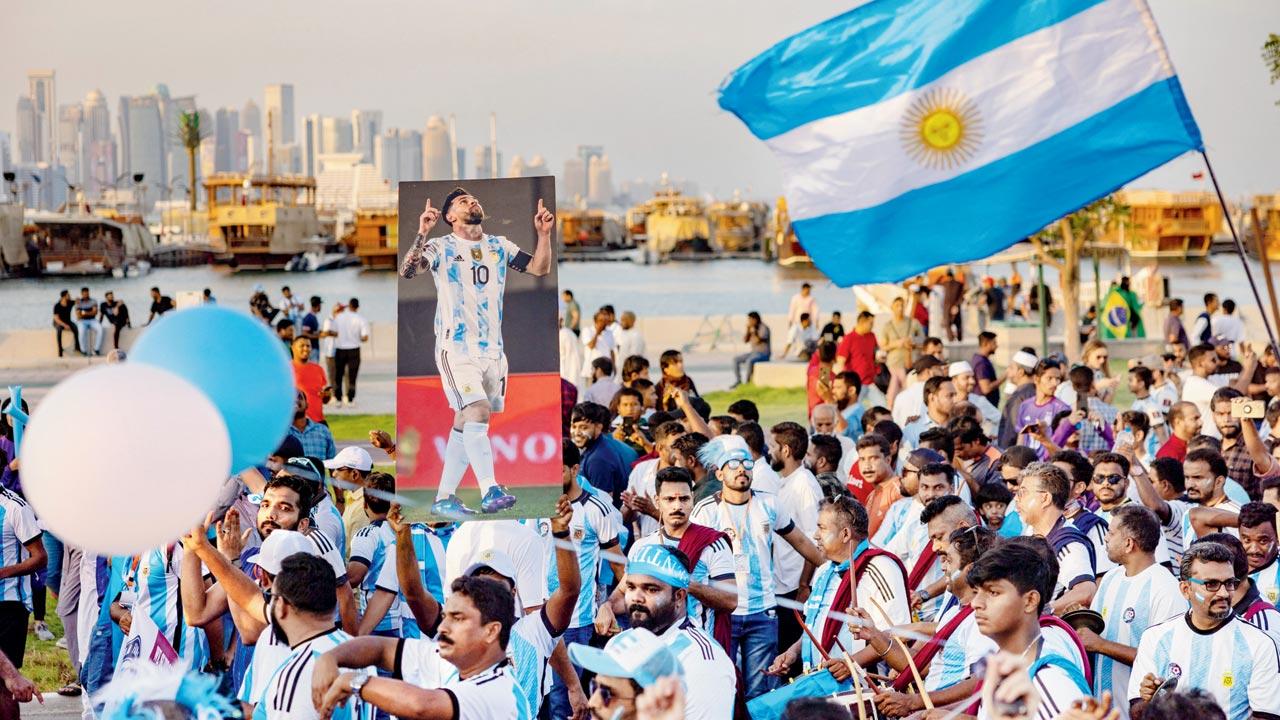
288 693
595 527
317 440
374 547
156 584
429 549
750 528
17 528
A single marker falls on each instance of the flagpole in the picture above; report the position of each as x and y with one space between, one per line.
1226 212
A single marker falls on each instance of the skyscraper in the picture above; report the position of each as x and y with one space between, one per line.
142 142
251 122
45 101
536 166
311 144
98 148
574 179
600 182
517 167
366 126
226 132
279 104
398 155
437 153
335 135
70 129
28 131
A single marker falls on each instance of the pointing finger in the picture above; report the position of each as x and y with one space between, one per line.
428 204
541 207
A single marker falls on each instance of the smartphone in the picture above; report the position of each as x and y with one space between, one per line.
1248 409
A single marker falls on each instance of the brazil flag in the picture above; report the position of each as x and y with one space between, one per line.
1116 317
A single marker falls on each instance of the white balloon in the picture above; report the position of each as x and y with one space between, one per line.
124 458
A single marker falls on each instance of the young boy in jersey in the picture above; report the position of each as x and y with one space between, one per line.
1012 585
372 567
469 268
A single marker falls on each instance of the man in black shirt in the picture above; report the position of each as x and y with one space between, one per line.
62 319
833 331
116 313
160 304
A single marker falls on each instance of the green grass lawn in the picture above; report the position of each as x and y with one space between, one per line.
775 404
530 502
355 428
45 664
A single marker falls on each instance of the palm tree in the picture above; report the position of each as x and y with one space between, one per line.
190 135
1271 56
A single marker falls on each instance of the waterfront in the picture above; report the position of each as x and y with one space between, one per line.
719 287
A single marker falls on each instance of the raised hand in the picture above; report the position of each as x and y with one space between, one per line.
543 220
231 538
428 219
395 518
563 516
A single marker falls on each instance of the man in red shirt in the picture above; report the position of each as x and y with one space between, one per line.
309 378
1184 421
857 351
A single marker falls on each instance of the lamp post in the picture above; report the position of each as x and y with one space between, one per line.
137 189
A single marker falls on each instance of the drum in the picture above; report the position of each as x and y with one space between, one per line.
1085 618
816 683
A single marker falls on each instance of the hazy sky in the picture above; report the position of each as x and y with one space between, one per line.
638 78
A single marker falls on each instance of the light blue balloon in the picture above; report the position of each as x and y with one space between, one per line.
238 363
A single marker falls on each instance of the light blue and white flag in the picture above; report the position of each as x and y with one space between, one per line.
914 133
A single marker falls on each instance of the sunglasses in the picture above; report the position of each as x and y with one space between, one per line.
735 464
1214 586
607 694
1108 479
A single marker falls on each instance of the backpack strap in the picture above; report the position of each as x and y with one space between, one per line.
1073 672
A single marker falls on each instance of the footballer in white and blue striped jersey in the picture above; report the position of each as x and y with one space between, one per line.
469 268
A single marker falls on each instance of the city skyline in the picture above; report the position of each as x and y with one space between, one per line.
648 93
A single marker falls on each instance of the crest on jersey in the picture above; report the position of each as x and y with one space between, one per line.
578 533
1228 680
477 254
1128 615
486 556
1272 595
733 534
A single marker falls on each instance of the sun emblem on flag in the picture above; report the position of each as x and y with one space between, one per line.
942 129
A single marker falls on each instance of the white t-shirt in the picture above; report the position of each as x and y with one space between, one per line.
327 341
909 403
352 330
1199 391
1130 605
604 348
1238 664
520 543
642 481
570 356
764 479
963 649
491 693
800 494
630 342
709 676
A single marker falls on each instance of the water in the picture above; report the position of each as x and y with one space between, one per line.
677 288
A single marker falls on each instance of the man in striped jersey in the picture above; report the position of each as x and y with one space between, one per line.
1245 600
654 591
1012 585
751 521
372 567
532 637
1132 597
22 553
1258 534
1210 648
156 583
302 606
1043 492
469 268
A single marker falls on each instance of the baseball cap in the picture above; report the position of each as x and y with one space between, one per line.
636 654
307 468
1025 359
279 545
494 560
351 457
656 561
959 367
1219 341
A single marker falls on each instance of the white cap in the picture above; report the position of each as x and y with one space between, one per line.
351 457
959 367
1026 359
279 545
494 560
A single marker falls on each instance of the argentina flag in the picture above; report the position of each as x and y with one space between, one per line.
914 133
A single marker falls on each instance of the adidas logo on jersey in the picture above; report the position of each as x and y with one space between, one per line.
457 258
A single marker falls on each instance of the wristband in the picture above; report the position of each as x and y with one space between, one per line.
564 535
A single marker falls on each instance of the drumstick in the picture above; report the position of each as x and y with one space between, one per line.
812 639
852 665
911 663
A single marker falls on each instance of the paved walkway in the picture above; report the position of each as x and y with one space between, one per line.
55 707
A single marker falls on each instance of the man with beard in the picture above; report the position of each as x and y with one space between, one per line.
1245 600
655 590
1043 493
1258 535
1206 477
532 638
855 574
316 439
1210 648
1110 487
638 499
1235 449
606 461
751 520
712 591
1132 597
908 536
283 507
469 268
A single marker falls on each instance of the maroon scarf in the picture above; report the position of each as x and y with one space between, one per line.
926 654
922 566
845 597
696 539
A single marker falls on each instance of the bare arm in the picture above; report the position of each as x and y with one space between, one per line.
1080 594
692 418
347 609
196 608
403 700
806 548
1146 491
559 606
240 589
377 608
722 596
1207 520
37 558
425 608
543 222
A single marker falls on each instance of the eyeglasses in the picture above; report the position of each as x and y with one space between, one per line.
1214 586
1108 479
736 463
608 694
